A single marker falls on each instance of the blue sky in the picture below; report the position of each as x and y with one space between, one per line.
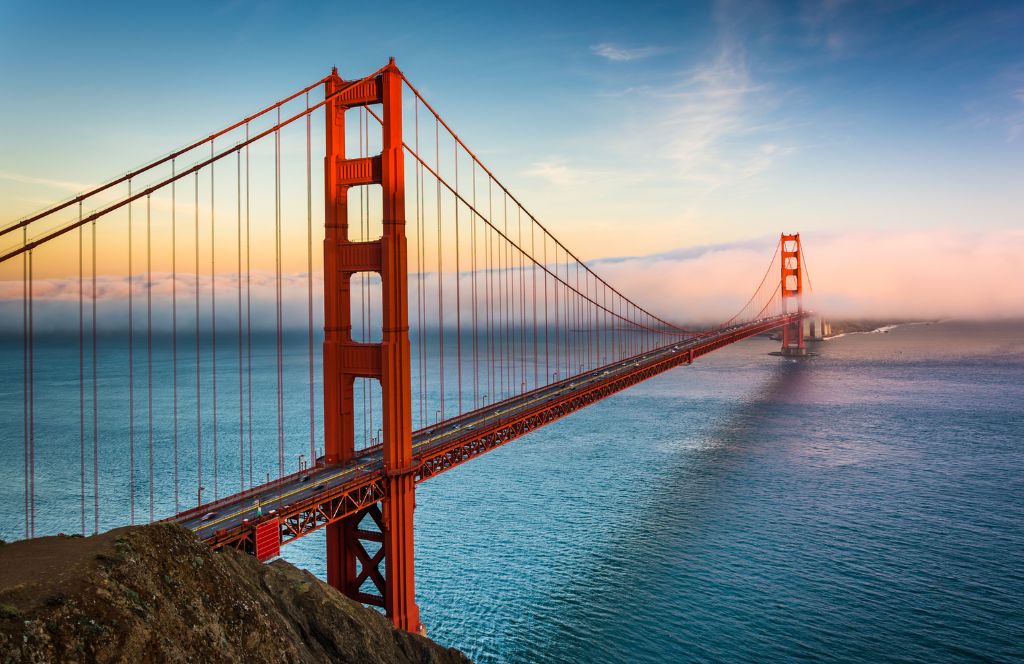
630 128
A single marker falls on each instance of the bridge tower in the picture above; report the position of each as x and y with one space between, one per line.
354 551
792 294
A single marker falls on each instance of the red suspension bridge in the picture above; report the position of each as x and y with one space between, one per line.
452 322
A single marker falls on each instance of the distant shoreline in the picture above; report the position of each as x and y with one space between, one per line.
841 328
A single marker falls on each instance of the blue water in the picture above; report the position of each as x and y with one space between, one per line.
862 505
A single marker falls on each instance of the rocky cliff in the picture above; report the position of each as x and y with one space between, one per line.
157 594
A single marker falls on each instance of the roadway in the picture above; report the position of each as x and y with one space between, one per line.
234 511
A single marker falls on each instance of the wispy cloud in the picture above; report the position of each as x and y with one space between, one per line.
557 172
827 26
707 108
1002 107
55 184
1016 117
617 53
715 123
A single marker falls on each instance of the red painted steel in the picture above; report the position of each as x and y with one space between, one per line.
268 539
792 292
343 502
349 564
29 245
365 498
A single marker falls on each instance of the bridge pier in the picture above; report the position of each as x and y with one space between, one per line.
381 533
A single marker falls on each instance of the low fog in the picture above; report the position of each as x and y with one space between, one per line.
864 275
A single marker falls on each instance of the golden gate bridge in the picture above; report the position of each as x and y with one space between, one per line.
453 322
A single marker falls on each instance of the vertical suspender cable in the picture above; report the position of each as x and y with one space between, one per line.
417 176
238 285
502 306
579 321
547 365
149 346
473 268
499 251
588 316
572 314
31 403
620 328
81 362
199 394
363 327
510 344
309 281
458 288
416 233
131 369
423 285
602 339
490 295
564 329
533 268
422 258
566 302
366 280
522 302
595 326
586 310
95 404
514 321
558 316
248 306
511 319
440 271
280 360
567 330
213 325
174 334
591 324
25 372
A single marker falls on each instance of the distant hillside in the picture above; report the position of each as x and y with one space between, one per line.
868 325
157 594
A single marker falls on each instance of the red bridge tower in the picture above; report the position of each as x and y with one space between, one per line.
792 295
387 361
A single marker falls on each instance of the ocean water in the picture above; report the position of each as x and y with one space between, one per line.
865 504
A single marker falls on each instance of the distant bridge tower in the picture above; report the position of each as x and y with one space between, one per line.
355 549
792 295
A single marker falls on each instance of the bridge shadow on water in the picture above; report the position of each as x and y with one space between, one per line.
644 595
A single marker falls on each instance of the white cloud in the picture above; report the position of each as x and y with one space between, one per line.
1001 107
55 184
714 123
617 53
556 172
1015 119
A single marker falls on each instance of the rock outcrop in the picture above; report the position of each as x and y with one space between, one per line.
157 594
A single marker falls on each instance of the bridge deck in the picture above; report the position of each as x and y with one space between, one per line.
309 500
